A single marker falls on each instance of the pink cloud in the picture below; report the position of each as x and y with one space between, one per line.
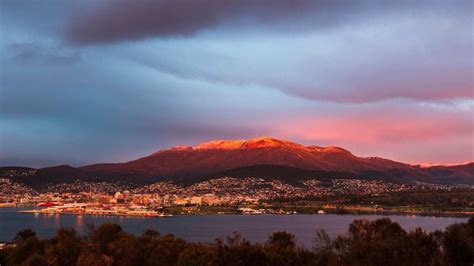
411 133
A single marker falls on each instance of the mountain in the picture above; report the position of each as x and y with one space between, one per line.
262 157
460 173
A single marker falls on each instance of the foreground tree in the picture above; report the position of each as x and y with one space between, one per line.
458 244
379 242
65 248
28 249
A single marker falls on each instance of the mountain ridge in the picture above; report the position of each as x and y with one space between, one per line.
231 156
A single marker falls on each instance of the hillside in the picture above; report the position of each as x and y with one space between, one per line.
263 157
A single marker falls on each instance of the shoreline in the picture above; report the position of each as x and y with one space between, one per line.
381 213
141 215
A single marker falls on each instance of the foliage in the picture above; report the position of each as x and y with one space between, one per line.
378 242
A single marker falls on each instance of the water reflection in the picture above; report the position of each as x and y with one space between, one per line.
79 221
57 220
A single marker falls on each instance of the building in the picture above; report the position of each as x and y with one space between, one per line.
196 200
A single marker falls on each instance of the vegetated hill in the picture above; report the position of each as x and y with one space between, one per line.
260 157
55 174
4 170
16 171
456 173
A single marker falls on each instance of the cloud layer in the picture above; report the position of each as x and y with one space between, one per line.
97 81
134 20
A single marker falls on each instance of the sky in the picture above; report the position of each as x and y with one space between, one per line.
85 81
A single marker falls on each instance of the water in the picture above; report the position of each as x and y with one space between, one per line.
256 228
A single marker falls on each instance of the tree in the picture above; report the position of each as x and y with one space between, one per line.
458 244
68 247
281 240
378 242
27 246
102 237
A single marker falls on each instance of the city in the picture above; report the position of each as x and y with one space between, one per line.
236 132
225 195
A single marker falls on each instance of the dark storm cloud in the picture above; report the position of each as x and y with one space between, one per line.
122 20
180 72
401 47
130 20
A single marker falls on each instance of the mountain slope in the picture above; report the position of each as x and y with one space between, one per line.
458 173
256 157
218 156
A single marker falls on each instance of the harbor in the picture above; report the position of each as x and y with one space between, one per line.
87 209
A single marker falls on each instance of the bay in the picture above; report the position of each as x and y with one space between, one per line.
206 228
